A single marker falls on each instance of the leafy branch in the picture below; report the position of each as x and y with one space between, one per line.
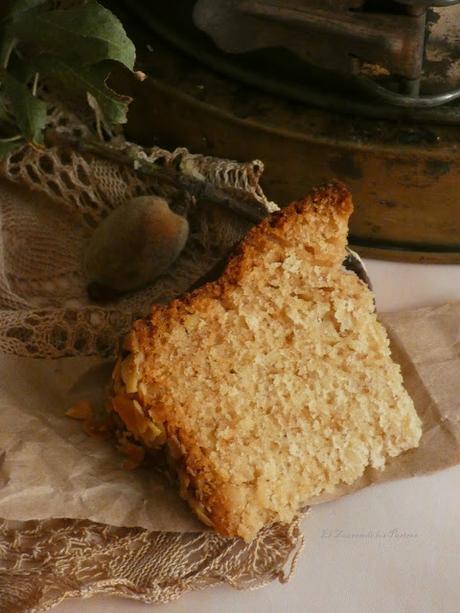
74 48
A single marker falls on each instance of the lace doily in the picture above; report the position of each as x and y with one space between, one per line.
42 563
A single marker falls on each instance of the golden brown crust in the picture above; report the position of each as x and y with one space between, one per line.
330 201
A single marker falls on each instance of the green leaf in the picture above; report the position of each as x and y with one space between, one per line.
8 146
78 81
8 125
30 112
86 34
4 114
21 68
7 35
19 6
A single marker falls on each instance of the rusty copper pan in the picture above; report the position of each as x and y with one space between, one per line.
404 174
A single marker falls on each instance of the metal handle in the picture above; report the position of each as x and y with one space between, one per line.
413 102
428 3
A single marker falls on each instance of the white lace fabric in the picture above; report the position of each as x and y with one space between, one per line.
44 562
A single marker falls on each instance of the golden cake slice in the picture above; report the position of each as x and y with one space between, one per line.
273 383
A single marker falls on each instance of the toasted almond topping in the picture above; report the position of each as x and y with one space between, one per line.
96 430
174 448
132 415
116 373
130 373
124 406
130 343
138 409
198 509
142 391
134 453
81 410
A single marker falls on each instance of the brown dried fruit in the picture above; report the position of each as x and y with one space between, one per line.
135 244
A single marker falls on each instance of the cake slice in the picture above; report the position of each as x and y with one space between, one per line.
273 383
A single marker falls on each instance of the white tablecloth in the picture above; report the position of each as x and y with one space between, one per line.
394 548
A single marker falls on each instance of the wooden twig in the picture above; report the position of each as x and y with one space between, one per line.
230 198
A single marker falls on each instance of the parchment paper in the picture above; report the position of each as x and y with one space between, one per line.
50 468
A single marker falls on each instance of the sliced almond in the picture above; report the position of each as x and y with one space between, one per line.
130 371
81 410
199 511
135 455
131 343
